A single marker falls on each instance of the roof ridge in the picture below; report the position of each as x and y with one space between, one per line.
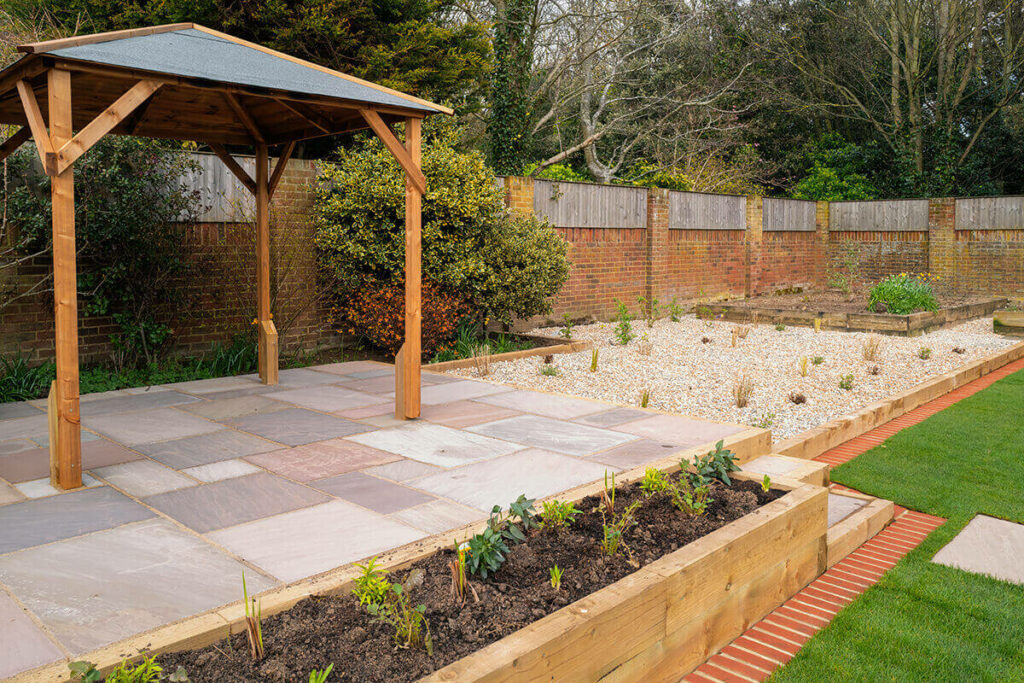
105 37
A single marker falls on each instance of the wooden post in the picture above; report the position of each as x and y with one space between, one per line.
67 474
407 368
268 354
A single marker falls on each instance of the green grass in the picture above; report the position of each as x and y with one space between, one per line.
922 621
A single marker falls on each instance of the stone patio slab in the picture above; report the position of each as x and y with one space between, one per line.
434 444
553 435
438 516
218 471
86 436
634 454
46 520
387 408
680 430
548 405
95 590
217 384
465 413
402 470
373 493
612 418
40 488
535 472
297 426
321 459
327 398
207 448
148 426
381 384
143 478
455 391
28 427
234 501
9 411
305 542
356 367
24 645
135 403
9 494
35 463
16 446
841 507
296 378
230 408
987 545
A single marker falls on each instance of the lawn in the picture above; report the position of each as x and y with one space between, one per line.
922 621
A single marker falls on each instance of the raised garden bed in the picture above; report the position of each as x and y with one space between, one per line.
700 582
837 311
1008 322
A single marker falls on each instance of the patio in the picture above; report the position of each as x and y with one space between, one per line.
187 485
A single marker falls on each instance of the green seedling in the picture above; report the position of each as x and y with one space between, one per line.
556 577
320 675
253 623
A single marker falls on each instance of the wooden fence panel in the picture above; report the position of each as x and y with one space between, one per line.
788 215
699 211
990 213
222 198
583 205
893 215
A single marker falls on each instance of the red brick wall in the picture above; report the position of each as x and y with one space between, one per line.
607 264
790 259
704 264
878 254
989 261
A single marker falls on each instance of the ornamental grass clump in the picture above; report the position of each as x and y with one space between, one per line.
742 390
902 294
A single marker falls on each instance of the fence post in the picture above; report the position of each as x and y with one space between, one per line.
752 241
942 239
656 283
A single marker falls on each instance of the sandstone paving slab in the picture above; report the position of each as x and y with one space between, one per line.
9 411
28 427
142 478
237 406
297 426
438 516
840 507
296 378
35 463
362 368
402 470
305 542
987 545
548 405
9 494
234 501
97 589
381 384
534 472
435 444
40 488
680 430
369 411
321 459
204 449
136 402
553 435
253 390
9 446
24 645
85 436
45 520
148 426
217 384
634 454
372 493
456 391
224 469
612 418
461 414
327 398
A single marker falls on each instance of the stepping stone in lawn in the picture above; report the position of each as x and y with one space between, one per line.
987 545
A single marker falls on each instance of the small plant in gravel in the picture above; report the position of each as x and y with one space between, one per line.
649 309
742 331
803 366
958 349
556 515
567 326
320 675
675 311
624 324
766 420
717 464
779 327
817 325
924 353
874 370
735 337
645 398
482 359
389 603
555 576
549 370
817 360
872 347
593 360
705 340
742 390
797 398
645 346
846 382
253 624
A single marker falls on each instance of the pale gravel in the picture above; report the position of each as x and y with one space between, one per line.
692 378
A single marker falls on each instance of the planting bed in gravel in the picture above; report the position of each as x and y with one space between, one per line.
833 301
686 375
334 629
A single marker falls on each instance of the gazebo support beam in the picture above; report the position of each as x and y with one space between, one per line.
268 351
407 365
11 144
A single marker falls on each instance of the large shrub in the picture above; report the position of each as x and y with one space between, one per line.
503 264
902 294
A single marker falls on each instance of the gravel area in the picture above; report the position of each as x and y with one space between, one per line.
685 375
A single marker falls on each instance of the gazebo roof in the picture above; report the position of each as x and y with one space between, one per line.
215 87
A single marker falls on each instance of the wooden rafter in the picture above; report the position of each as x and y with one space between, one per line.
306 114
105 122
14 142
244 117
233 166
36 124
282 162
395 146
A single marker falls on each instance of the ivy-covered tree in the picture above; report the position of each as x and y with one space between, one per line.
510 124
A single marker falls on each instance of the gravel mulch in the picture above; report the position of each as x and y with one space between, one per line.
685 375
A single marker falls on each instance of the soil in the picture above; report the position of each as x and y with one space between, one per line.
834 301
333 629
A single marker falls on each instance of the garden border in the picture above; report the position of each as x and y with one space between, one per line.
813 442
546 346
884 323
1008 322
216 624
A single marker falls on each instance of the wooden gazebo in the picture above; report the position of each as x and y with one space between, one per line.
188 82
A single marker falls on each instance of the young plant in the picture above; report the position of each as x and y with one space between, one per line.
846 382
684 496
389 603
654 481
797 398
593 360
766 420
645 398
958 349
817 325
555 573
817 360
487 552
874 370
513 525
458 569
557 515
548 370
567 326
766 483
779 327
253 625
803 366
612 533
624 324
482 359
717 464
924 353
320 675
649 310
742 331
872 347
146 671
645 346
735 337
742 390
675 311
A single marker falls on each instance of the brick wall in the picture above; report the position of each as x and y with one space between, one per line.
877 254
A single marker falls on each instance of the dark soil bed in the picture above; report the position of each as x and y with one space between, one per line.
834 301
333 629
